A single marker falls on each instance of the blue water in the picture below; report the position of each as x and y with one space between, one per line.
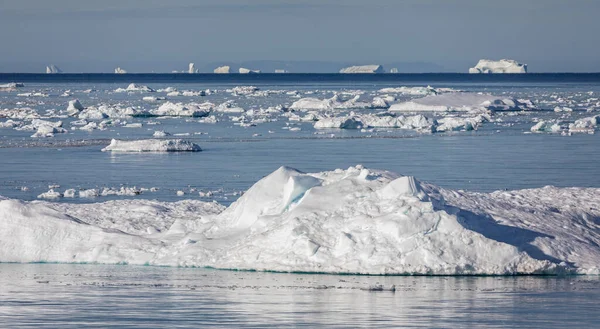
97 296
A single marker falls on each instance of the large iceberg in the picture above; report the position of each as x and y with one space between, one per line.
363 69
501 66
462 102
151 145
192 68
52 69
222 69
119 70
343 221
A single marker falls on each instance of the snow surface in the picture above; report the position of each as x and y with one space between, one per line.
343 221
363 69
462 102
152 145
501 66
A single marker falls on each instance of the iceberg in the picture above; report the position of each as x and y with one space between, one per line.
151 145
192 68
119 70
356 220
52 69
363 69
222 69
74 107
462 102
109 111
501 66
243 70
281 71
585 125
546 126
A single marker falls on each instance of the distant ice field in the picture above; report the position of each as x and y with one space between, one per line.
242 140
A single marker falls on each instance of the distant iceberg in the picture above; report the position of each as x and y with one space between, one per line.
363 69
243 70
119 70
222 69
501 66
192 68
281 71
53 69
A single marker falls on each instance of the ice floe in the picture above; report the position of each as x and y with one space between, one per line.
462 102
151 145
183 110
132 87
343 221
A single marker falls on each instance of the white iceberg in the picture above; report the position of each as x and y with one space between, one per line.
244 70
501 66
151 145
119 70
343 221
585 125
281 71
363 69
52 69
222 69
192 68
74 107
462 102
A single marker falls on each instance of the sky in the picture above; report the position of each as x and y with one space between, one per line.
159 35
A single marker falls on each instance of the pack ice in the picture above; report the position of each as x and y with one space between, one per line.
342 221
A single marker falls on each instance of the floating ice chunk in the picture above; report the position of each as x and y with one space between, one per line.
338 122
11 86
244 70
52 69
546 126
153 98
119 70
462 102
160 134
192 68
222 69
281 71
501 66
91 193
335 102
10 124
134 88
74 107
24 113
585 125
563 109
152 145
183 110
416 91
69 193
461 123
51 194
46 128
243 90
363 69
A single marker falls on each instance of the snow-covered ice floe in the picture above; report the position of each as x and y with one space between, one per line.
501 66
343 221
151 145
463 102
183 110
134 88
335 102
10 86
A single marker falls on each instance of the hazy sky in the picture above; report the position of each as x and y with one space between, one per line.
83 35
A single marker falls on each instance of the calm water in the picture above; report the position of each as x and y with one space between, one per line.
96 296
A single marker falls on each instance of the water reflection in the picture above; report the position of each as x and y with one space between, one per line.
69 296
